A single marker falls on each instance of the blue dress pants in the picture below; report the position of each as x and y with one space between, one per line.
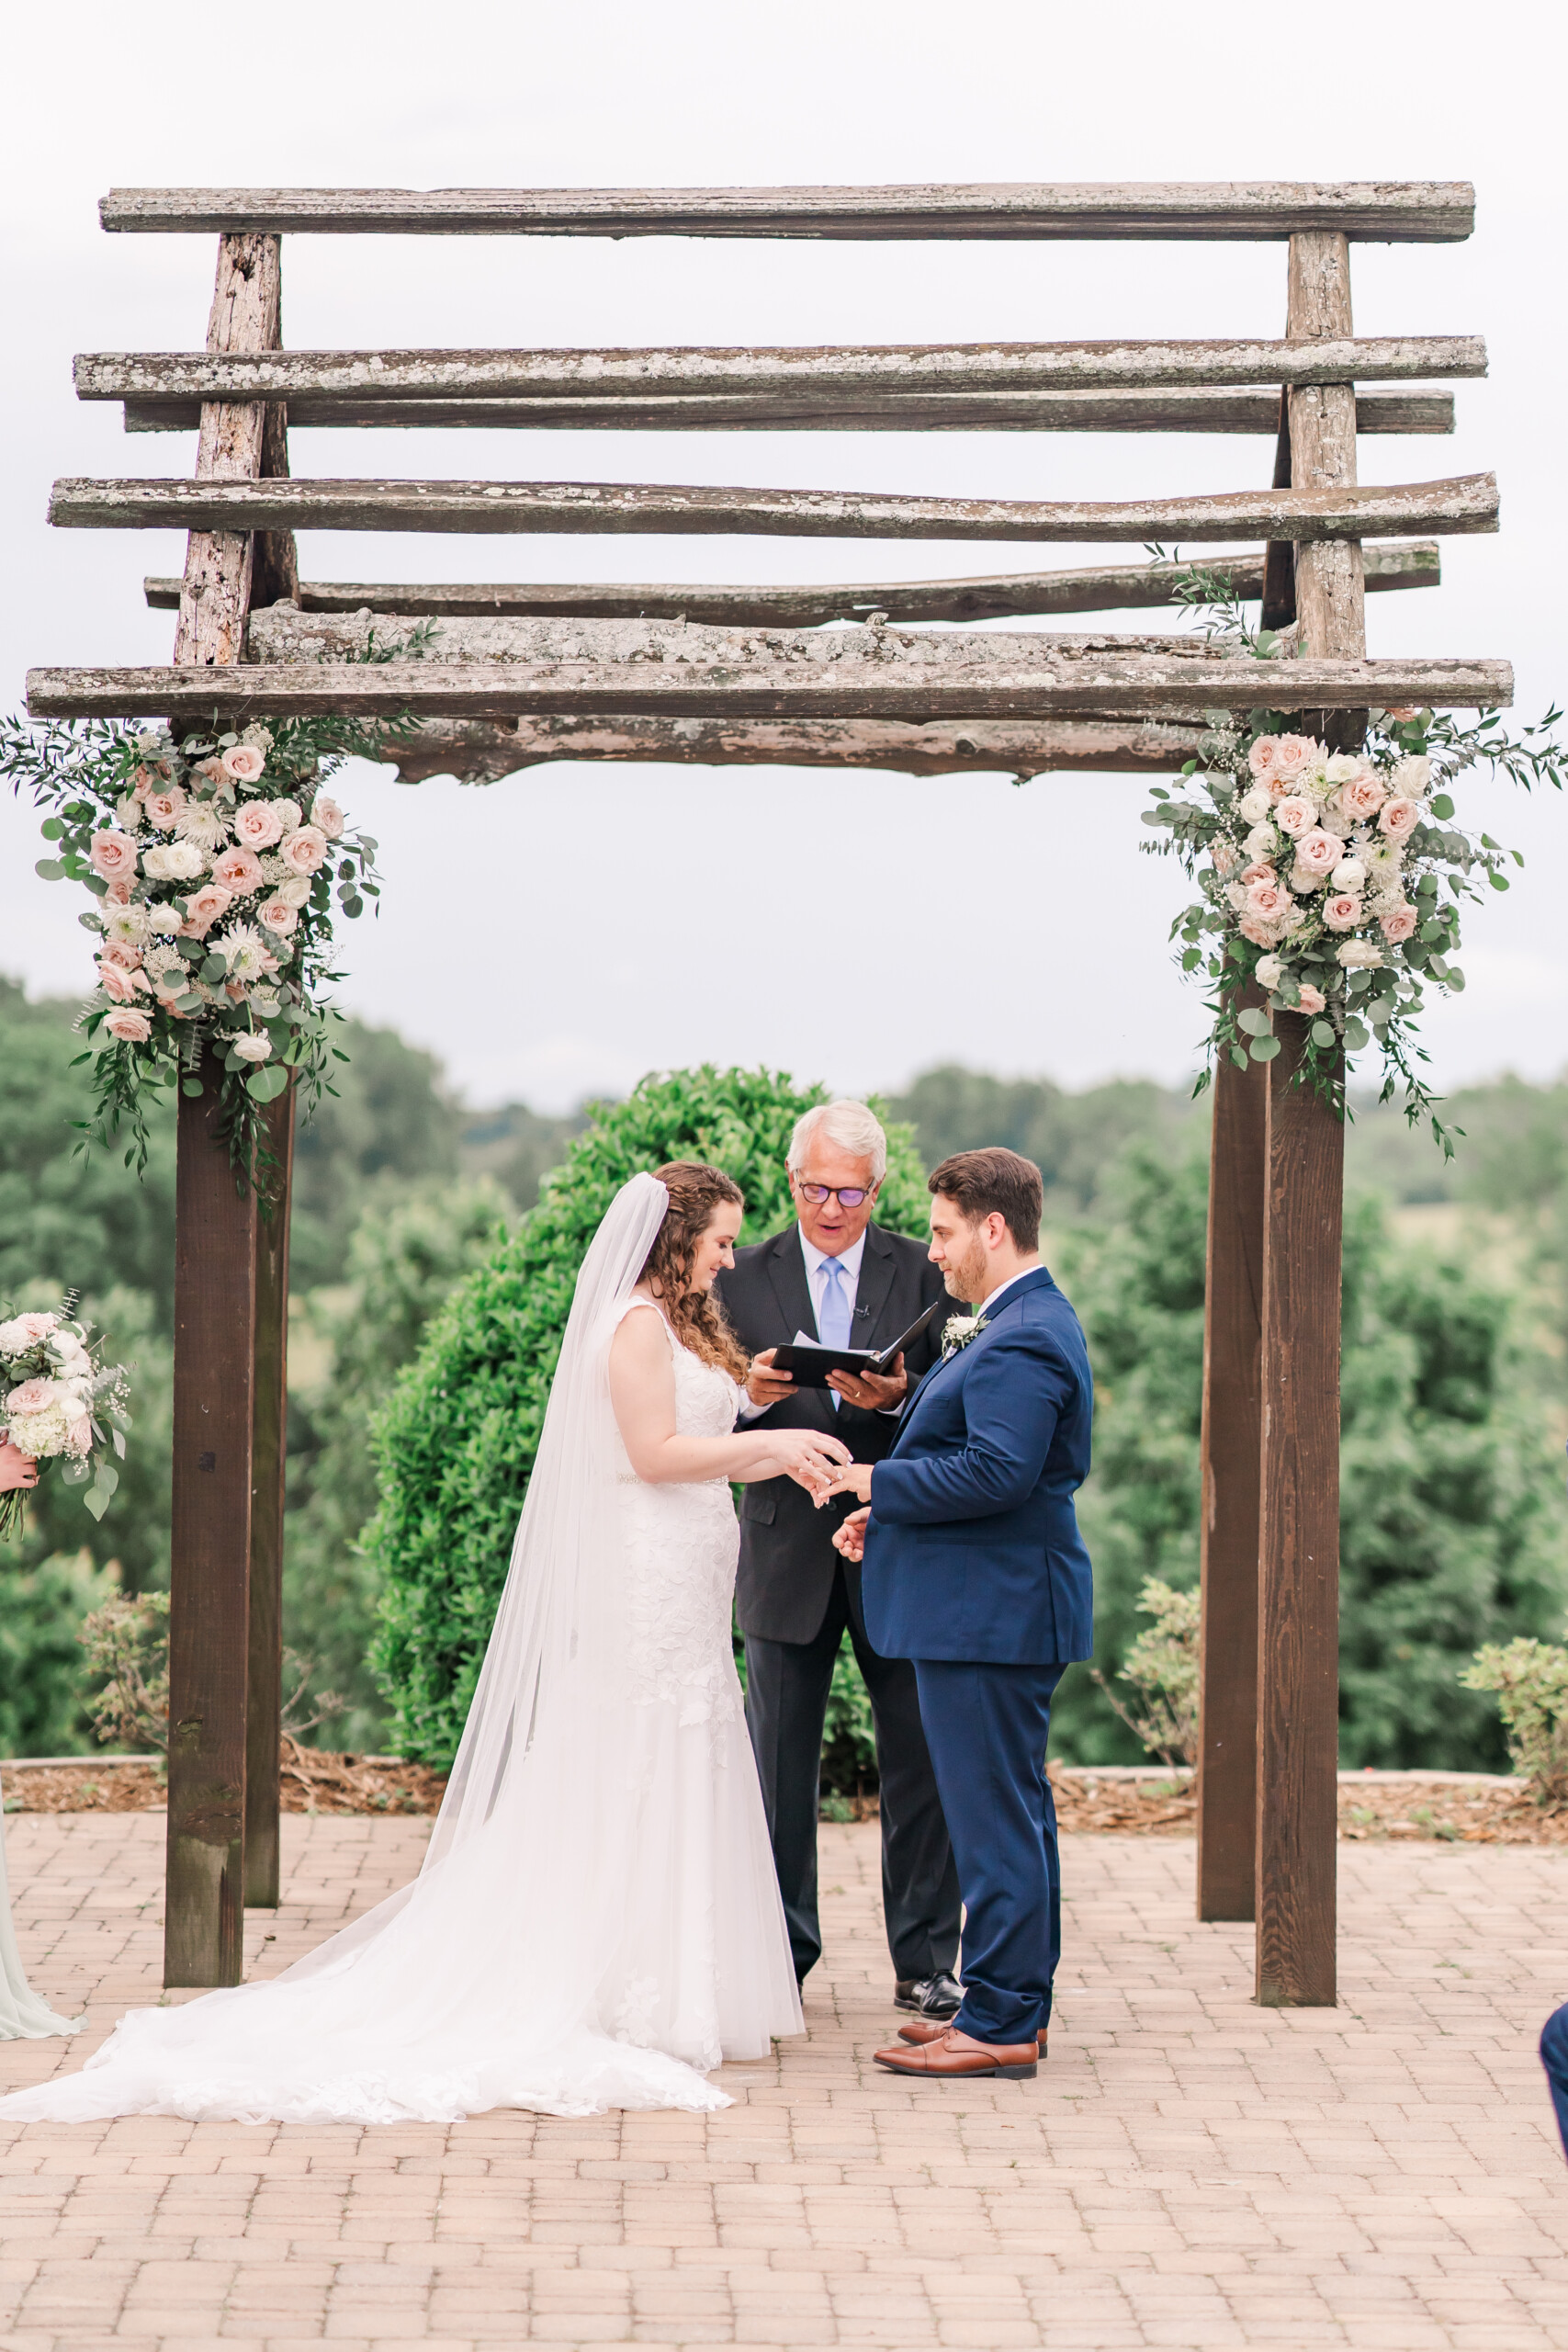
987 1727
1554 2058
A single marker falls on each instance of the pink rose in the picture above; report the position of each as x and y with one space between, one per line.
1312 1000
1261 934
118 893
203 909
112 854
279 916
1319 852
1295 814
257 825
37 1326
1399 818
1360 800
244 763
1399 923
1260 871
117 984
79 1436
1344 912
1226 856
134 1028
238 871
1292 753
122 952
34 1395
163 807
304 850
326 816
1260 758
1267 901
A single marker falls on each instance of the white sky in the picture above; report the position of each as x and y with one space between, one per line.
569 928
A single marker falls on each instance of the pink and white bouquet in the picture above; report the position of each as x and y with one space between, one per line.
60 1401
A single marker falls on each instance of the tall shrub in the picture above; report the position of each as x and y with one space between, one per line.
455 1444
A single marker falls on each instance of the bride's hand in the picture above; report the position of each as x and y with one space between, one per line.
811 1458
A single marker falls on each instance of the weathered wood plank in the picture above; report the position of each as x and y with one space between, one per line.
1381 211
484 751
216 596
1330 598
892 370
1195 412
1405 511
1127 687
1298 1635
268 1444
1227 1752
215 1274
1416 563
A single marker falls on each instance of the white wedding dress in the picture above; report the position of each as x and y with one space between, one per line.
597 1923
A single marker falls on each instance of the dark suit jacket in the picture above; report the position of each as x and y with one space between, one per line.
787 1560
973 1550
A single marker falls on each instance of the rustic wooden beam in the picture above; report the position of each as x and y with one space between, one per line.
1330 596
1404 511
896 372
484 751
219 561
268 1451
1279 598
1195 412
1227 1719
1379 212
1298 1605
215 1278
1414 564
1050 688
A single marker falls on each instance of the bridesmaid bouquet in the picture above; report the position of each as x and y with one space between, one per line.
59 1401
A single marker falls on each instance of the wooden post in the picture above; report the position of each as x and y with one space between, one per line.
1227 1753
1298 1602
1298 1616
268 1444
215 1282
215 1292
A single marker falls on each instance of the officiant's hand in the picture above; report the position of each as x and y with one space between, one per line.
854 1478
765 1386
849 1538
875 1392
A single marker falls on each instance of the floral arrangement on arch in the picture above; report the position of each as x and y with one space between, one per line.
212 860
1333 880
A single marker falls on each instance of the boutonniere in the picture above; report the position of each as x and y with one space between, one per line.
958 1330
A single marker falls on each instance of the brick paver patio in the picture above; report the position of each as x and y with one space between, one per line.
1188 2171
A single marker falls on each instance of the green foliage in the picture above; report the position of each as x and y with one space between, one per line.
517 1147
402 1263
388 1124
1162 1668
1073 1140
455 1444
41 1608
126 1646
1530 1679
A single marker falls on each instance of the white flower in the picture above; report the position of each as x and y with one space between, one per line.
173 862
1254 805
294 890
1261 841
40 1434
1270 971
1359 955
1411 778
164 919
201 822
161 956
289 815
958 1330
1348 874
246 952
127 926
1303 881
1384 862
251 1047
128 812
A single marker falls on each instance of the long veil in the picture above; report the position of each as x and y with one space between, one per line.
491 1979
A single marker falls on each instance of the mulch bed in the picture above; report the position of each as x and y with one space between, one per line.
1476 1810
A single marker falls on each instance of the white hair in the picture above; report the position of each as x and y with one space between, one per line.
849 1124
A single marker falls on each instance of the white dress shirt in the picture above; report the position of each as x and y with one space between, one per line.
1002 1287
817 1284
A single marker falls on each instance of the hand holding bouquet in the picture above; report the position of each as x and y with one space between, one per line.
56 1397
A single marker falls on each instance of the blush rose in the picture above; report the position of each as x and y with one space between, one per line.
238 871
112 854
131 1028
305 850
1343 912
203 909
1399 924
1399 818
257 825
244 763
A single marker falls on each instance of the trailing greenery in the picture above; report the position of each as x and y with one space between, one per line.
456 1444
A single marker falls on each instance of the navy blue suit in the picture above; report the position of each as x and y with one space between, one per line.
974 1568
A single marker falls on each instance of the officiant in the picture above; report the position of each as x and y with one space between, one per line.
837 1276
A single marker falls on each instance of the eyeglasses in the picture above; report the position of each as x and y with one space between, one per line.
849 1196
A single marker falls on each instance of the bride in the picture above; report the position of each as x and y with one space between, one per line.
596 1923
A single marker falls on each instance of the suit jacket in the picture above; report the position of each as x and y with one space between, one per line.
973 1549
787 1560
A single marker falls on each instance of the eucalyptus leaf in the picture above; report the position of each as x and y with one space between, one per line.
1265 1048
1254 1021
1322 1034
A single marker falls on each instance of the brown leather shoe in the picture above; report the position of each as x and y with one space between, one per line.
954 2056
926 2031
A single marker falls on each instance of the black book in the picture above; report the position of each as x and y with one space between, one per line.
812 1364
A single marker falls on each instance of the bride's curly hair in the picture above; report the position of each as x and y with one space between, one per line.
696 1191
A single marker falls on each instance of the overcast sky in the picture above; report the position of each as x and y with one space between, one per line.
576 925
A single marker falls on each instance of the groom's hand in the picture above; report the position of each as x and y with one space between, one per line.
849 1538
875 1392
854 1478
765 1386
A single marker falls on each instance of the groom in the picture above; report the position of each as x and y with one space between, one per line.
974 1568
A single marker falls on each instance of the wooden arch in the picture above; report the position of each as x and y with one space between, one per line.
741 674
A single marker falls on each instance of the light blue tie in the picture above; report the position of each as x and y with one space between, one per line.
833 1314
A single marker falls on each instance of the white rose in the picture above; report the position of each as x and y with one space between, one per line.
1358 955
1348 874
164 919
294 890
1411 778
173 862
1270 971
1254 805
15 1338
251 1047
1261 841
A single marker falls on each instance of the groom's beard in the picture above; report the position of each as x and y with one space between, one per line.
967 1279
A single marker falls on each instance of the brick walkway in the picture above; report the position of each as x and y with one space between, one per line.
1188 2172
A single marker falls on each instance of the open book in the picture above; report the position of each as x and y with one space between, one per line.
810 1362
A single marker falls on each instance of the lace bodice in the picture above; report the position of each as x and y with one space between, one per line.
706 1399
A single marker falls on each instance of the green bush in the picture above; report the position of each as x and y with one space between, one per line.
42 1609
1530 1679
455 1444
